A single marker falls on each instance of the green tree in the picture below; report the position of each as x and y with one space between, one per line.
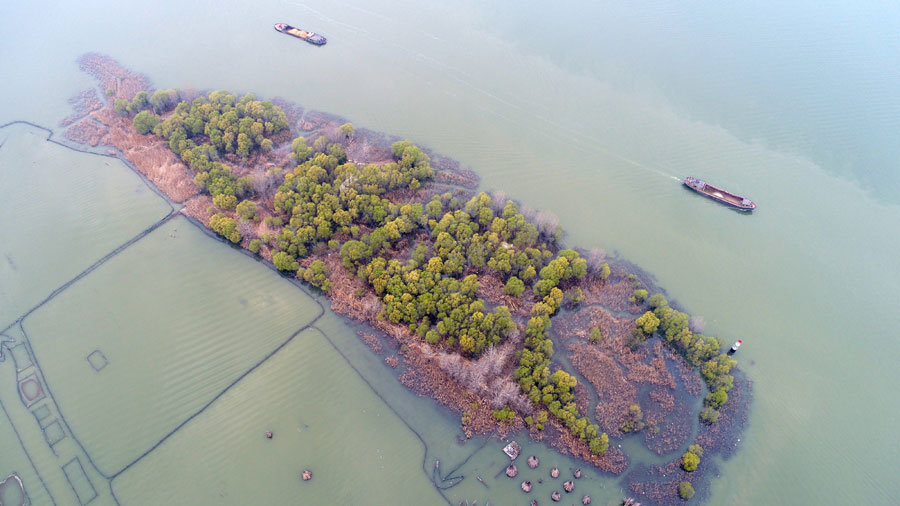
657 300
140 101
596 335
514 287
639 295
528 273
634 419
573 297
284 261
244 144
347 130
225 226
604 271
163 100
145 121
225 202
246 209
354 252
299 149
317 275
254 245
717 398
648 323
121 106
686 490
504 415
600 444
709 415
209 126
690 461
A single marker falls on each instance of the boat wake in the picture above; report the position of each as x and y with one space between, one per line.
467 80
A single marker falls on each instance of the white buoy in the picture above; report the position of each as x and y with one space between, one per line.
735 346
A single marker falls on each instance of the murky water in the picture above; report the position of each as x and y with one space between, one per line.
592 112
50 188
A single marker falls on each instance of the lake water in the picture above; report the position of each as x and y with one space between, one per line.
593 112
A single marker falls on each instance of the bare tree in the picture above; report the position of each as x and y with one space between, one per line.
546 222
498 198
494 359
595 258
333 134
455 366
503 392
189 94
529 213
482 375
266 184
697 324
507 393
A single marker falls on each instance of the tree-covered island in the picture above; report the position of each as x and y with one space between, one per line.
491 314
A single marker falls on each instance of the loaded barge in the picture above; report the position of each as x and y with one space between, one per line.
727 198
312 38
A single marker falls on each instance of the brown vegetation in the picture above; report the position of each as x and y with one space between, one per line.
610 294
152 157
83 104
619 375
88 131
111 75
613 461
615 393
370 340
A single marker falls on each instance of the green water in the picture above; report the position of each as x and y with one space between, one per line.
590 111
50 187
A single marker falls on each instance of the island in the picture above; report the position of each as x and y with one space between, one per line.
485 308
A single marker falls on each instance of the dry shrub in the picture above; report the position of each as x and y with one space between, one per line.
246 228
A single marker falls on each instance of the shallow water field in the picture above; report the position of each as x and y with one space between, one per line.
61 212
155 333
322 418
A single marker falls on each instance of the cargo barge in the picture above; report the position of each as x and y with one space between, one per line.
312 38
727 198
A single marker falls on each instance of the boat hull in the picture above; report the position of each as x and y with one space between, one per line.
312 38
723 197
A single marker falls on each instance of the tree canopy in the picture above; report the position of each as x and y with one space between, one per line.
690 461
424 258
